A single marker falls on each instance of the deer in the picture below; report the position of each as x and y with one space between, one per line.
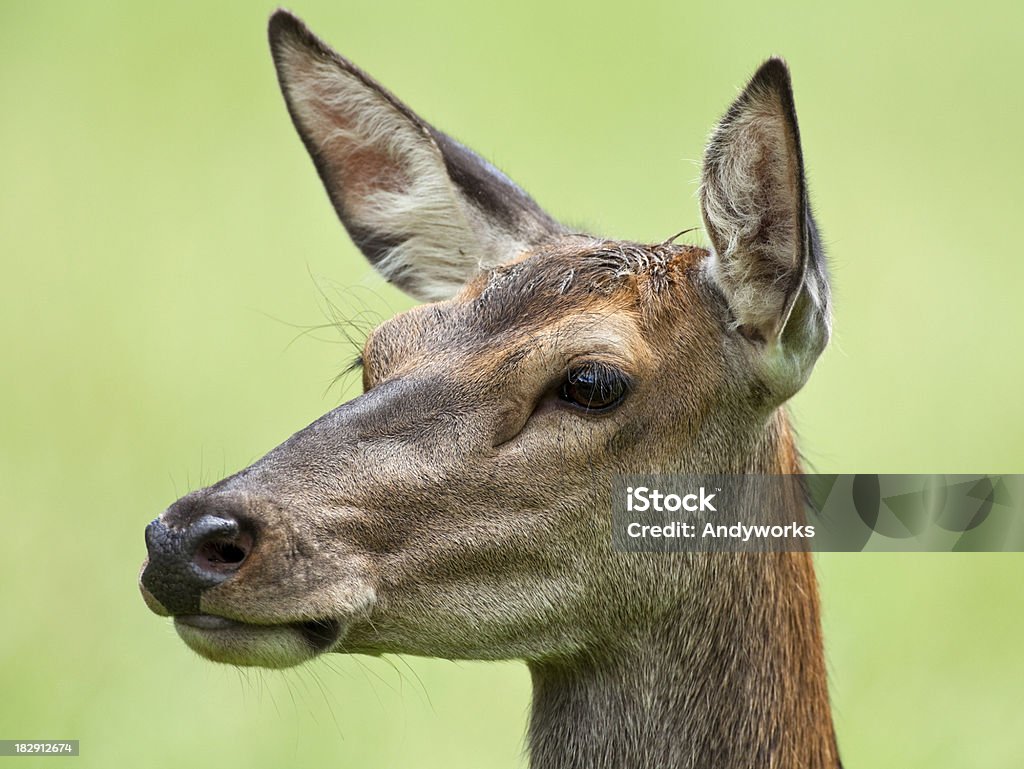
460 506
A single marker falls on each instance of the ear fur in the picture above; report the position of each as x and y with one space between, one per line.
766 258
427 212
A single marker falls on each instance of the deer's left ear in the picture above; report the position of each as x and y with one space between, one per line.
766 257
427 212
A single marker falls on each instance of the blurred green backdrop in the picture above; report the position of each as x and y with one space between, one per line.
164 241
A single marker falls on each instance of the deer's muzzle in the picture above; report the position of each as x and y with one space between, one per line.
183 562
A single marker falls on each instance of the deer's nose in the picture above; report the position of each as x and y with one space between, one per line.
185 561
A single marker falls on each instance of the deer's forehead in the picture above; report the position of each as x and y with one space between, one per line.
577 275
576 297
449 335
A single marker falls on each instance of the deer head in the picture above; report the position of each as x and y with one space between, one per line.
460 507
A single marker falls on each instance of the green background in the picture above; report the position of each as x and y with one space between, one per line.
165 241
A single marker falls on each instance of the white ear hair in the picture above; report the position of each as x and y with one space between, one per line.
426 211
766 257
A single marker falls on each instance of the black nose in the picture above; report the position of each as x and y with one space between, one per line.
183 562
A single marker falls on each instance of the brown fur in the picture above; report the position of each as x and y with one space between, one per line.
461 508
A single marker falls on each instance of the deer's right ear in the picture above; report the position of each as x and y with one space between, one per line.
766 258
426 211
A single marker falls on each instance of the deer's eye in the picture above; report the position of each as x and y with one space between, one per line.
594 387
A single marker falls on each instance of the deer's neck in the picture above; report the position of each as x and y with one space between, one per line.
733 686
731 677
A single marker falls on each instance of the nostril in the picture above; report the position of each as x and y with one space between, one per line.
217 547
223 555
187 556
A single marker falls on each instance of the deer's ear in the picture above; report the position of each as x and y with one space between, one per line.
427 212
766 257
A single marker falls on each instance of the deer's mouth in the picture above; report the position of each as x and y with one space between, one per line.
242 643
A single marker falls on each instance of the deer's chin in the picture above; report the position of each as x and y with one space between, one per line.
269 646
